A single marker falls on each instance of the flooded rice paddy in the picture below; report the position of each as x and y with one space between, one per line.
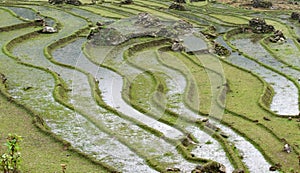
139 106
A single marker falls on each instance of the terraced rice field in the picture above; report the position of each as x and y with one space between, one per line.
139 106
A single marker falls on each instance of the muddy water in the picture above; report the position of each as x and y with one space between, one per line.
193 43
75 128
176 83
113 95
9 18
66 123
29 14
91 16
249 152
287 52
285 101
25 13
138 138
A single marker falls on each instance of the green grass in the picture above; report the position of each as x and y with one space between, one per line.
243 98
40 152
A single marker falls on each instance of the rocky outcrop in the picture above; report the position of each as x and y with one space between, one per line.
72 2
259 25
107 37
261 4
142 25
147 20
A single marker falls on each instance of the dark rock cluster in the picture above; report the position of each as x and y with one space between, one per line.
259 25
261 4
177 6
72 2
275 167
196 0
127 2
295 16
221 50
277 37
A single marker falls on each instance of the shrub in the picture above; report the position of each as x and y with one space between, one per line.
10 161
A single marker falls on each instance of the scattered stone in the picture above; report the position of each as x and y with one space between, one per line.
287 148
54 2
290 118
180 1
298 120
177 46
259 26
199 167
196 0
277 37
267 119
27 88
221 50
3 78
214 167
187 141
261 4
173 169
127 2
238 171
212 126
48 29
204 119
275 167
209 35
99 24
177 6
225 135
72 2
272 168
